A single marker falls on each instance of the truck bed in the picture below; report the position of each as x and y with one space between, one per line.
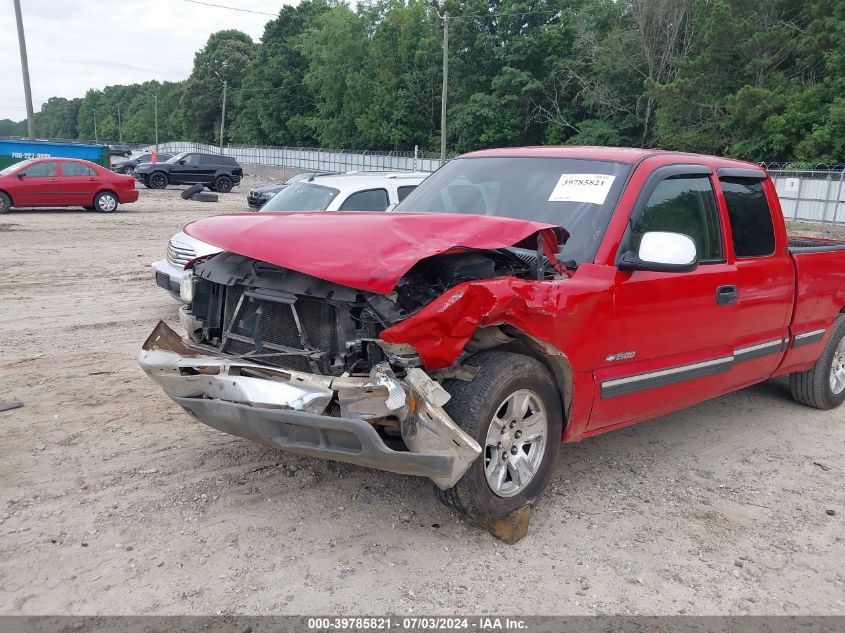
798 245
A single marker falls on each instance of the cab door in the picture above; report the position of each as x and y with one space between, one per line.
669 337
765 275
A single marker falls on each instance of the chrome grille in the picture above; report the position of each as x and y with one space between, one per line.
179 255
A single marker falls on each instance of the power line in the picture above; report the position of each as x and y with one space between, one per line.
223 6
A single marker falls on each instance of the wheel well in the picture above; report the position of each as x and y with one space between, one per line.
8 194
510 339
114 193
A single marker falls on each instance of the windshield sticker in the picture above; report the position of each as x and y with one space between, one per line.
591 188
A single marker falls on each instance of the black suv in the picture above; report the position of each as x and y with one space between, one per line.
120 150
217 172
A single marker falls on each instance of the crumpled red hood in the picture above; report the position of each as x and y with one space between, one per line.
368 251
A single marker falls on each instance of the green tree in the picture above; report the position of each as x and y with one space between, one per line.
224 58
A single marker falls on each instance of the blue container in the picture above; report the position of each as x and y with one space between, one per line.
14 150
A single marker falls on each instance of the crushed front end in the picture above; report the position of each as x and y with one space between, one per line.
294 362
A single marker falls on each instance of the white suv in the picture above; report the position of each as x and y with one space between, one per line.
355 191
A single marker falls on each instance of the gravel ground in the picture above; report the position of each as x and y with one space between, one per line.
113 501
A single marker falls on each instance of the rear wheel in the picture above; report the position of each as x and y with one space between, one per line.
5 202
158 180
223 184
105 202
823 385
512 409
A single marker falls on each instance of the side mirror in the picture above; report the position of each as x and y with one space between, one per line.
181 162
662 252
20 175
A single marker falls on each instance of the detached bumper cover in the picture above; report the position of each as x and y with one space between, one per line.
288 410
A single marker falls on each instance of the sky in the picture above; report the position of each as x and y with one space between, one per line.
74 45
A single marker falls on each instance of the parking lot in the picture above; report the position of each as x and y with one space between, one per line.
114 501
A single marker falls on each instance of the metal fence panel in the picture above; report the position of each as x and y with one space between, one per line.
313 158
811 195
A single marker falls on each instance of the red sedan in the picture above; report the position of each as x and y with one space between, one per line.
64 182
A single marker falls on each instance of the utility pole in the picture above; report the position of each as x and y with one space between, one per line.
27 91
155 105
444 92
119 128
94 110
223 117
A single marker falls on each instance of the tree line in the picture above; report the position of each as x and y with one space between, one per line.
763 81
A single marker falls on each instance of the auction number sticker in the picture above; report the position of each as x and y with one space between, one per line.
591 188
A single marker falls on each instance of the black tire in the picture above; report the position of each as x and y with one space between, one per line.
5 203
186 195
204 197
223 184
473 406
105 202
813 387
158 180
128 170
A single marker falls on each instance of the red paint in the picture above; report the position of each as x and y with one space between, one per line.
368 251
63 190
668 319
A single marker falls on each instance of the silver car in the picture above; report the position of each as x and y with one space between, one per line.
357 191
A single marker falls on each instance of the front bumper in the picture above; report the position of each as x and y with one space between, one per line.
309 414
256 203
168 276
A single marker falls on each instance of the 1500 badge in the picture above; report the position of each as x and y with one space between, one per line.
620 356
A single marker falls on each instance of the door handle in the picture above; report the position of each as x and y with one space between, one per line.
727 295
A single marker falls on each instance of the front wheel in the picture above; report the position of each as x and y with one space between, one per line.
512 408
105 202
5 202
823 385
158 180
128 170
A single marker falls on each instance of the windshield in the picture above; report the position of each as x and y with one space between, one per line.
577 194
13 168
176 158
301 196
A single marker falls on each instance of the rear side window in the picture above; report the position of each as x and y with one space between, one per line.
41 170
403 192
687 205
77 169
750 217
372 200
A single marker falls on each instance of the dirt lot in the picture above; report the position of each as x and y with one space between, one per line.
113 501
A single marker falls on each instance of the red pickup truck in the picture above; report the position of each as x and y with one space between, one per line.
518 298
